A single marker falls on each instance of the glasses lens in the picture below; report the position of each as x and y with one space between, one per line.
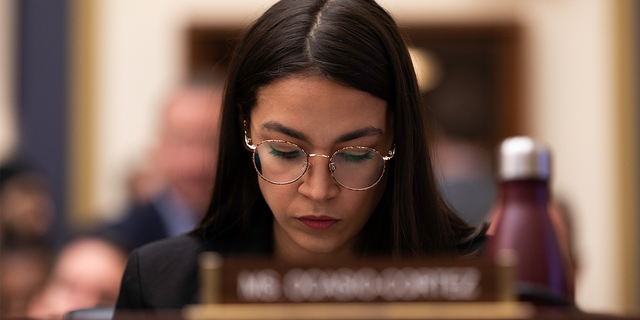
357 167
279 162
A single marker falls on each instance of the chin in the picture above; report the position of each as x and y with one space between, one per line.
320 249
321 246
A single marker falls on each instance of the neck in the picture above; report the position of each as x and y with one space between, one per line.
286 250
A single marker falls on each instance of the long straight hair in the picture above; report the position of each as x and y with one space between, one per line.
355 43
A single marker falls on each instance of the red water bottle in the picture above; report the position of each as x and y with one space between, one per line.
523 224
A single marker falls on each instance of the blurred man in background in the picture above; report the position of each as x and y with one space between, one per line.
186 155
86 274
27 205
26 216
23 273
169 198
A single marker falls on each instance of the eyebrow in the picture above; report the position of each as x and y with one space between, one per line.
275 126
364 132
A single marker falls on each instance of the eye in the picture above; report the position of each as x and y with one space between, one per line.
355 155
287 153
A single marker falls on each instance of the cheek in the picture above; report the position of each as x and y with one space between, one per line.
278 197
364 202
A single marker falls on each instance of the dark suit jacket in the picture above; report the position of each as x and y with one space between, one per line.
162 275
142 224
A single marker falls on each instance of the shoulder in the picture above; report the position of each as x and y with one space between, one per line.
162 274
180 246
165 260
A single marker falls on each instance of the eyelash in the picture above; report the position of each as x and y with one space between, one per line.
285 155
357 158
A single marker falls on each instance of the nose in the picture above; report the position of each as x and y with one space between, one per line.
317 183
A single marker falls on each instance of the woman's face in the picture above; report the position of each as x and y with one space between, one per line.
315 214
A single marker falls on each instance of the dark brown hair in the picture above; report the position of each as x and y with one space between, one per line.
355 43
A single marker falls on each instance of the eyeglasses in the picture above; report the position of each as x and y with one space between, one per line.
282 162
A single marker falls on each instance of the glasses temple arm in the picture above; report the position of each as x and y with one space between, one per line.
392 152
248 142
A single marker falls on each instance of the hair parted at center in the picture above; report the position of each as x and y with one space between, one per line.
357 44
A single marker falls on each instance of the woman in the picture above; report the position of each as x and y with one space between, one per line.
323 154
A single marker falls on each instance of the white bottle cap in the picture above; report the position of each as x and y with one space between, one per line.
524 158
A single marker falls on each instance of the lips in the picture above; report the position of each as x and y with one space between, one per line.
319 223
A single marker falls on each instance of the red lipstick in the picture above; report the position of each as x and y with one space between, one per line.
319 223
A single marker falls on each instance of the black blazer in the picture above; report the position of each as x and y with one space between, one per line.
162 274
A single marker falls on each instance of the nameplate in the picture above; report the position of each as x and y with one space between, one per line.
262 281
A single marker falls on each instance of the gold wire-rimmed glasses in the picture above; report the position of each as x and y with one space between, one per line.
282 162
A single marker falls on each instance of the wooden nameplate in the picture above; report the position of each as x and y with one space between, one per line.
236 288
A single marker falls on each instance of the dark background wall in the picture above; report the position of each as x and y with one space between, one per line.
42 95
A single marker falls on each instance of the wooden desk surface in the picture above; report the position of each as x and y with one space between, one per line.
379 311
411 310
395 310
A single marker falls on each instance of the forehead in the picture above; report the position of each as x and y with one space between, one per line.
318 107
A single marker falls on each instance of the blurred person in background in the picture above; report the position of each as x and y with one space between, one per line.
145 181
186 156
170 193
27 206
86 274
26 216
457 93
466 178
23 273
461 108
